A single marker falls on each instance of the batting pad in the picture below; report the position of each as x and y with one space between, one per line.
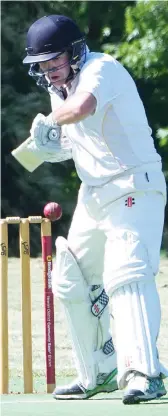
136 310
69 285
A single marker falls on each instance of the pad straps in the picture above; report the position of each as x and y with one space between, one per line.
99 304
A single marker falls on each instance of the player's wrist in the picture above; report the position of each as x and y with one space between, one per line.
50 119
54 129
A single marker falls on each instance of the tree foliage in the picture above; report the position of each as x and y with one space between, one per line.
135 32
143 51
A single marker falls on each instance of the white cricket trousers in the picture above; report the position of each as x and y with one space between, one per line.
115 240
116 230
115 236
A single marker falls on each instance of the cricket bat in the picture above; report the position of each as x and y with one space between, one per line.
27 155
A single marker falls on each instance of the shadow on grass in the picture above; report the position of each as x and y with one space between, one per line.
151 402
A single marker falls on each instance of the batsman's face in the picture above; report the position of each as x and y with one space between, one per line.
56 70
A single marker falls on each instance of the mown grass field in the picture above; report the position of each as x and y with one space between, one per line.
64 360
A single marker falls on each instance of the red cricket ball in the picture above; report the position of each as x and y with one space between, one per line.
52 211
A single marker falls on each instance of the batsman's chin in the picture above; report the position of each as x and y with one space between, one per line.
57 81
58 84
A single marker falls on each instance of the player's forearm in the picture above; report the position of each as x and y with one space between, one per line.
75 109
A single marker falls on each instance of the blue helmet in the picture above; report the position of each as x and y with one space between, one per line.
49 37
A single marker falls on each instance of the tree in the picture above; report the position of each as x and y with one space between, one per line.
144 53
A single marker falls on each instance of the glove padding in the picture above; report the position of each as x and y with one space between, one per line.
53 151
58 151
44 130
50 140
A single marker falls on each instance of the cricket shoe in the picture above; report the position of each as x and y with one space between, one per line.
77 391
141 388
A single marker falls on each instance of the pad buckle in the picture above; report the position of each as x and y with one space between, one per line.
99 304
108 347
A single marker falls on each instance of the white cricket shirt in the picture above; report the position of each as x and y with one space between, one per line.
117 137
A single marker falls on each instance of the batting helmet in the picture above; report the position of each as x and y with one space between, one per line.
49 37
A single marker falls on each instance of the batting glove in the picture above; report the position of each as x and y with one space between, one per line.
44 130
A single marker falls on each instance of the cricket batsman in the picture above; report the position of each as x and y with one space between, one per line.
113 246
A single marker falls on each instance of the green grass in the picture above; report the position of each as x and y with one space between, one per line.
64 361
